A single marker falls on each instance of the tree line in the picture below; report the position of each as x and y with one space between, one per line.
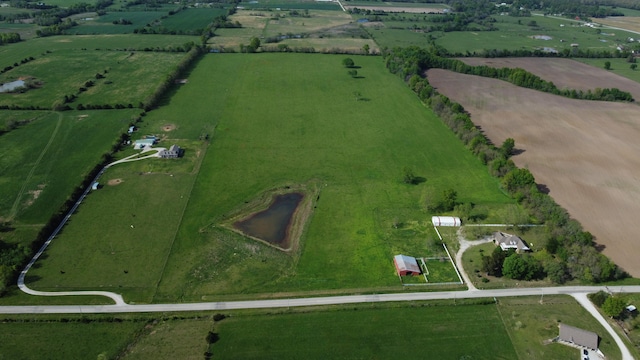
413 61
571 250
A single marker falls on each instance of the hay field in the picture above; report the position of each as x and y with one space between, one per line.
631 23
565 73
585 152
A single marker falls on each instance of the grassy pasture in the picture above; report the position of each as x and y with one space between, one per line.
64 72
438 332
42 161
510 35
290 5
136 212
72 340
618 66
37 47
104 24
192 19
317 131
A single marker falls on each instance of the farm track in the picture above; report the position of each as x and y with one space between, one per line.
14 208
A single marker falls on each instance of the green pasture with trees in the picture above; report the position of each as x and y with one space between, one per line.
340 145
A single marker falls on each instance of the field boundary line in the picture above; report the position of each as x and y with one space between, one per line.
14 208
453 263
184 209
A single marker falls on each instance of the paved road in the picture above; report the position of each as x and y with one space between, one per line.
329 300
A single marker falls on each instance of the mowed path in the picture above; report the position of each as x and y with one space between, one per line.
587 153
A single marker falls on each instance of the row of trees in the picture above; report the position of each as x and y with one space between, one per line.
572 254
413 61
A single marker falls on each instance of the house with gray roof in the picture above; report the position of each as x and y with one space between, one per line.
509 241
174 152
578 337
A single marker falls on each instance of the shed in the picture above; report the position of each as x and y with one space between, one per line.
406 265
95 185
446 221
631 308
143 143
131 129
578 336
509 241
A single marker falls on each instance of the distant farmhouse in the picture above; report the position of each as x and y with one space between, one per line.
508 241
578 337
174 152
406 265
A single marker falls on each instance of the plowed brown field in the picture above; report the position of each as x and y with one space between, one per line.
587 153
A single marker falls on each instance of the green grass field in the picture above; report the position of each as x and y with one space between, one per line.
63 72
42 161
71 340
192 19
317 131
514 328
513 33
104 24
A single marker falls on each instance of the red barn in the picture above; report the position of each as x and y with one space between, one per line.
406 265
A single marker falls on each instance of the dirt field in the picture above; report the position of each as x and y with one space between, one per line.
587 153
631 23
565 73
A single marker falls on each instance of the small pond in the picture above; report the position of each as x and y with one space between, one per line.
272 225
10 86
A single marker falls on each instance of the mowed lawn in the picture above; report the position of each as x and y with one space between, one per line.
431 332
293 119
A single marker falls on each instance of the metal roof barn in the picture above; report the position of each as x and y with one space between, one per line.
406 265
446 221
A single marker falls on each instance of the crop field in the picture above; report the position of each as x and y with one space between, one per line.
42 162
630 22
583 151
63 72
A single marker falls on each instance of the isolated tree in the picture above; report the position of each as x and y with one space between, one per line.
348 62
607 65
358 95
353 73
507 147
365 49
614 306
633 66
254 44
449 199
409 177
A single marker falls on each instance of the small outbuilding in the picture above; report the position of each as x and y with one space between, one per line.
509 241
578 337
445 221
143 143
406 265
